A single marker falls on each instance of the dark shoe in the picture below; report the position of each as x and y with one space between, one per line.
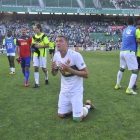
36 86
46 82
134 87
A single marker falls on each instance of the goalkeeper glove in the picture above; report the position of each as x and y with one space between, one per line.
18 60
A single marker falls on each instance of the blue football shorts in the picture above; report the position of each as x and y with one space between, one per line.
25 62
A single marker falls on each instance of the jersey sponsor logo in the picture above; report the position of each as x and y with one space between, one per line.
23 43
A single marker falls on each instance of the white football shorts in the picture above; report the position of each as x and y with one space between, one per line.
71 101
10 54
39 61
128 59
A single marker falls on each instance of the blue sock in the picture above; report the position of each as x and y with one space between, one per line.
23 71
27 73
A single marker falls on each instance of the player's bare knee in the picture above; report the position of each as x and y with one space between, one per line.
122 68
61 115
44 69
27 68
36 68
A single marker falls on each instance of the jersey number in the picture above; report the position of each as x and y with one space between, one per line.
9 45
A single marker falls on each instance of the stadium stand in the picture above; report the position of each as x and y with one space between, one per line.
107 4
8 2
88 3
135 4
66 3
61 3
20 3
49 3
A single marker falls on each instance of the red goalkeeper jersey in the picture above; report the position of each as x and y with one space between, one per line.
24 43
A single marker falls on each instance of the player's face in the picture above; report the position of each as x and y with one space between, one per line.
23 31
138 26
61 43
9 34
36 30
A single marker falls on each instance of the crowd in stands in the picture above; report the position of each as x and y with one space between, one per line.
128 4
78 33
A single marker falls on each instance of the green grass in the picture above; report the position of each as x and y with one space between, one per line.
31 114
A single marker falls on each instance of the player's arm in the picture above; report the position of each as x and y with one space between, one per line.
137 36
32 52
137 40
17 48
54 69
3 43
40 46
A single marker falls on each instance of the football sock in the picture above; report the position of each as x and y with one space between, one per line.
11 68
133 79
85 111
88 106
27 73
36 76
119 76
23 71
46 75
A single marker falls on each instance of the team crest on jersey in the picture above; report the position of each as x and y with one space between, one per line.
128 32
68 61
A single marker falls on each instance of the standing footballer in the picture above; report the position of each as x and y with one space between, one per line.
10 43
51 48
73 70
138 54
128 55
40 43
23 45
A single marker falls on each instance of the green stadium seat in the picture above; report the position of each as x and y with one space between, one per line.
62 3
106 4
102 37
8 2
88 3
28 2
49 3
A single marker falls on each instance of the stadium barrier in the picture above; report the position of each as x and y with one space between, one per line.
72 48
2 50
86 48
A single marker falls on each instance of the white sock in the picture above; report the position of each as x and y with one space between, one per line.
85 111
36 76
132 80
119 77
88 106
13 69
46 75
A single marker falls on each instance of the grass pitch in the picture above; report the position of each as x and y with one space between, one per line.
31 114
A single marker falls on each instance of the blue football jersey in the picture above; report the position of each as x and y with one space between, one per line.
129 39
10 46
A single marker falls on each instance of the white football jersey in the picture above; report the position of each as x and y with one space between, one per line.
69 81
